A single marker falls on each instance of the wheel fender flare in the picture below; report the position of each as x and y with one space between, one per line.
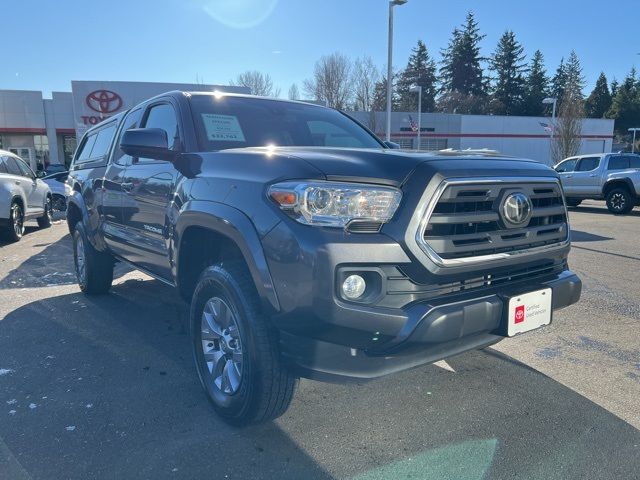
606 188
77 201
11 195
235 225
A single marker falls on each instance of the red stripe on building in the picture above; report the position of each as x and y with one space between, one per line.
65 130
483 135
42 131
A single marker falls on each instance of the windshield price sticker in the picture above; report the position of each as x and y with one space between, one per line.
222 127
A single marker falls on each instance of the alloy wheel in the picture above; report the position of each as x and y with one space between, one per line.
618 201
81 268
221 346
18 220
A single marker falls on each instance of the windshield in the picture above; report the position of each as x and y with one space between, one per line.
235 122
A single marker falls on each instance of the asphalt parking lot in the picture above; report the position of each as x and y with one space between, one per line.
104 387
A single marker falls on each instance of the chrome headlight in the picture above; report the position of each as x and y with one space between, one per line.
335 204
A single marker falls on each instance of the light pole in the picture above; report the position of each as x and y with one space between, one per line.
633 143
554 101
418 88
392 4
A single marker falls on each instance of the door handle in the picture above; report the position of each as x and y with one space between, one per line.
593 175
568 176
17 182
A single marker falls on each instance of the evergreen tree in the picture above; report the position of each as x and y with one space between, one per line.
461 70
559 82
421 70
625 107
509 67
536 87
574 78
614 88
379 103
599 101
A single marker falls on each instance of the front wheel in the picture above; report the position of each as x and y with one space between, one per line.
45 220
94 269
15 225
236 349
619 201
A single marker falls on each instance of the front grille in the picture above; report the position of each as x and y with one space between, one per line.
465 224
401 289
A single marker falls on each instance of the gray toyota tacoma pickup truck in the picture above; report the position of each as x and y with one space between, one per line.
612 177
309 248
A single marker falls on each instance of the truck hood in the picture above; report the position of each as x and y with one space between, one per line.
394 167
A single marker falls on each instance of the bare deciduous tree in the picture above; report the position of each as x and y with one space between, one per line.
365 77
568 128
294 93
331 81
258 83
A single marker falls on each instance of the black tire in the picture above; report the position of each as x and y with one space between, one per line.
45 220
97 275
59 203
265 386
573 202
15 225
620 201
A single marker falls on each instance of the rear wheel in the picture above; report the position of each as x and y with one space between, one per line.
15 226
45 220
573 202
619 201
59 203
236 349
94 269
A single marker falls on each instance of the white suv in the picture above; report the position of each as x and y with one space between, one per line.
23 197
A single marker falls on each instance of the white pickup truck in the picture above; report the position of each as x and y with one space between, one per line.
613 177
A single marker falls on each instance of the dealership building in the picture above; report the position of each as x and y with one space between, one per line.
525 137
45 130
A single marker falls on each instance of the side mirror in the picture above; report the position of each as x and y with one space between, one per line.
392 145
147 143
41 174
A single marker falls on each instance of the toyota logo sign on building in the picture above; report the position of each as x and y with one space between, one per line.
104 101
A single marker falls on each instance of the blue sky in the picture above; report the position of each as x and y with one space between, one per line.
46 44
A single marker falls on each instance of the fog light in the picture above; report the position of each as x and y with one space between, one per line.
353 287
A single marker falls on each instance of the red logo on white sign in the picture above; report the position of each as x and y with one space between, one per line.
519 314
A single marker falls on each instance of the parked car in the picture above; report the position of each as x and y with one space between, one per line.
23 196
613 177
308 247
59 190
55 168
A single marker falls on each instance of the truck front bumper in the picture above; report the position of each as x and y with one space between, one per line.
430 331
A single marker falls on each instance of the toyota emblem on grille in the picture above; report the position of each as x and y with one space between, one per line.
516 209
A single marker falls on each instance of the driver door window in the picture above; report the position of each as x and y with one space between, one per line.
567 166
12 166
163 116
588 164
25 171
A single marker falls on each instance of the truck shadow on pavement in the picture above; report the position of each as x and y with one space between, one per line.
580 236
104 387
602 211
52 266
